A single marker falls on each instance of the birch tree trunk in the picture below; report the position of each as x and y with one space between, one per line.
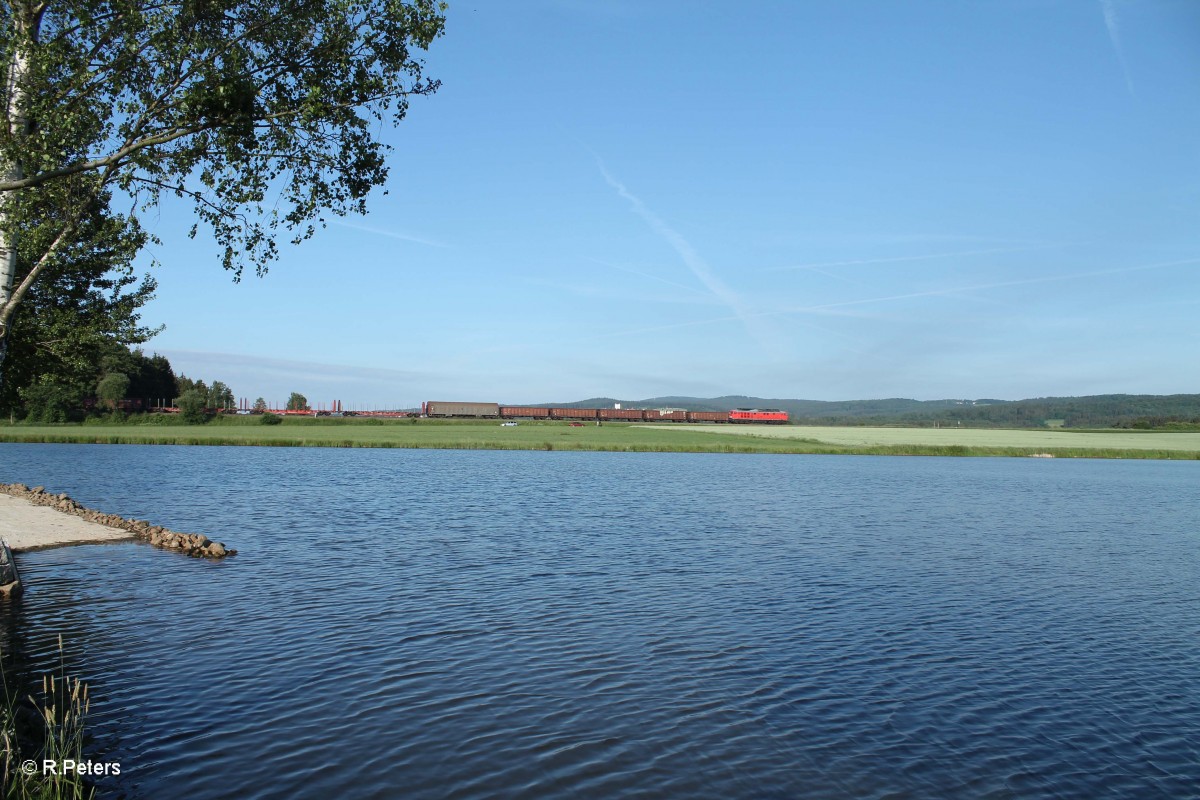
18 127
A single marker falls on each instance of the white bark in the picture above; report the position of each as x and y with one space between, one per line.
17 125
12 170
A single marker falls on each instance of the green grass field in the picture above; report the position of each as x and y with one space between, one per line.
1037 440
490 435
442 434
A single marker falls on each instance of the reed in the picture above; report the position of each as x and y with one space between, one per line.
49 727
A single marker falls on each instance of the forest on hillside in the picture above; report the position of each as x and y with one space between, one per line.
1095 411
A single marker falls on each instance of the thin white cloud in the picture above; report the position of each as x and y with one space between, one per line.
828 307
621 292
648 276
1113 24
924 257
997 285
404 237
273 378
288 366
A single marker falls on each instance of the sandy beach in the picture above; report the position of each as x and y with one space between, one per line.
26 526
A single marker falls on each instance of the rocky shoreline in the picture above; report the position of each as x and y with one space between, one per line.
195 545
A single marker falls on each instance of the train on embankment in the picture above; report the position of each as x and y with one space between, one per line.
444 409
440 409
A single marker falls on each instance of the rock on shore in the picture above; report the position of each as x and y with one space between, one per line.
191 544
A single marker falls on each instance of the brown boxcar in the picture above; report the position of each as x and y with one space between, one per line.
524 412
572 413
655 415
441 408
626 414
708 416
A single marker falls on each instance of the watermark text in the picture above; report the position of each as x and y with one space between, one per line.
69 767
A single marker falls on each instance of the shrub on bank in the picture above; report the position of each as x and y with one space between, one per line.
270 419
191 406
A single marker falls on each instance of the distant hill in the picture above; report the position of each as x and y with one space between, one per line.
1095 411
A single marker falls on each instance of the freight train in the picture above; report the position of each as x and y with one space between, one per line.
440 408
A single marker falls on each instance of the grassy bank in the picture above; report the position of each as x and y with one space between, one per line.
490 435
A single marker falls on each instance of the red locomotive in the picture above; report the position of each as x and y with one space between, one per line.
758 415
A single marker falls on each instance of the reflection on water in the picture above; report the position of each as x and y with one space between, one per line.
483 624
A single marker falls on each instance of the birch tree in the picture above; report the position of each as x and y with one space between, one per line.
263 115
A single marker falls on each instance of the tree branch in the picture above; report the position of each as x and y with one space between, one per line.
18 294
110 161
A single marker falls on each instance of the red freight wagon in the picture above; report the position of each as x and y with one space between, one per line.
524 412
708 416
627 414
773 415
572 413
666 416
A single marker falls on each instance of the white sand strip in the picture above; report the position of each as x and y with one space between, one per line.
30 527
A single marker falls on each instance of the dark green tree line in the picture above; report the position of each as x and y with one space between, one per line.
82 318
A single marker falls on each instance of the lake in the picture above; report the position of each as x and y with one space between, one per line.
478 624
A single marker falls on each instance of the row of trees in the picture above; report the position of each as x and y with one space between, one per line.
65 389
196 398
125 374
61 389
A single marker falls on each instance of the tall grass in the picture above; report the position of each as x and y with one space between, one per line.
49 727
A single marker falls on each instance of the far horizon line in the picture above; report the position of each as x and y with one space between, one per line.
246 401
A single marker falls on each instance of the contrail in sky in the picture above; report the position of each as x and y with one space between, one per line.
690 258
1114 33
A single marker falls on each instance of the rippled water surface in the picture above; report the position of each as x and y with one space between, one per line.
550 624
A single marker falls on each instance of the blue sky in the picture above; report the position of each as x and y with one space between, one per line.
822 200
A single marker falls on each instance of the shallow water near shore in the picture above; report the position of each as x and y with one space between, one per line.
566 624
